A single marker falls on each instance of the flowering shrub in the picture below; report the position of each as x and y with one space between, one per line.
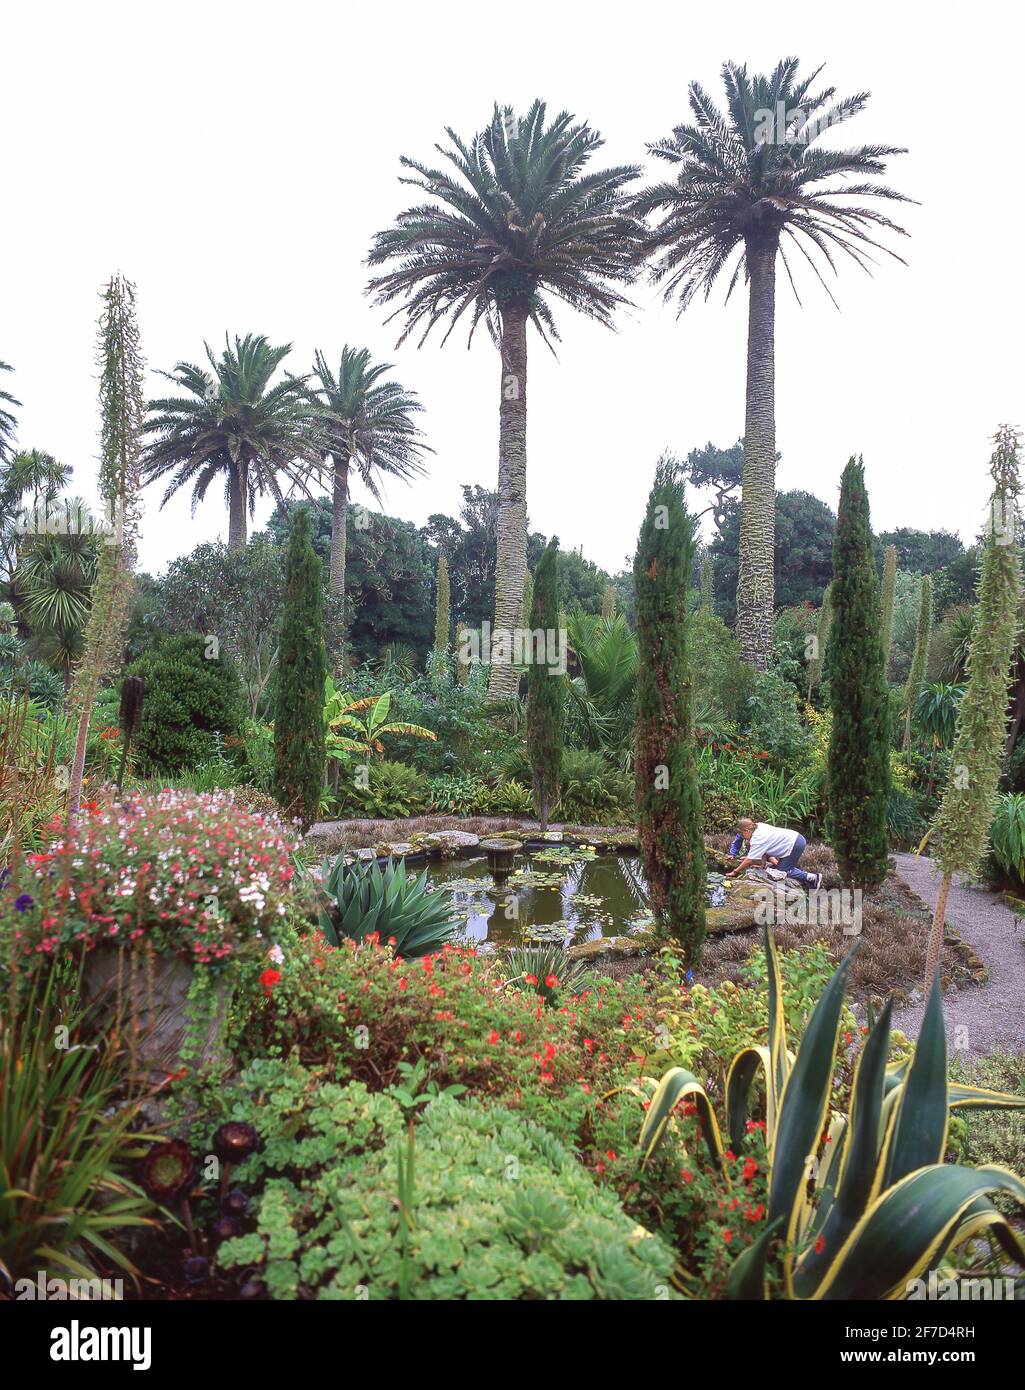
192 875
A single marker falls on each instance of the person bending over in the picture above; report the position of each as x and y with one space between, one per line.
771 844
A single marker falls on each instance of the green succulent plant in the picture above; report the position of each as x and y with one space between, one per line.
361 899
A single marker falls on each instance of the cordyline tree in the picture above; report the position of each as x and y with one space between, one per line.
858 777
756 181
889 594
299 709
545 690
668 799
920 659
515 221
966 812
121 422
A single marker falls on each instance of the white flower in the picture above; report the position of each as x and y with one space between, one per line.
276 954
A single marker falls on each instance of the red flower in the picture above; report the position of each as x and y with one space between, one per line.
269 979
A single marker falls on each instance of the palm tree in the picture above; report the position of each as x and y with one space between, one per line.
517 224
7 421
368 423
234 425
751 181
29 482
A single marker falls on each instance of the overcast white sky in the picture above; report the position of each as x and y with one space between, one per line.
234 160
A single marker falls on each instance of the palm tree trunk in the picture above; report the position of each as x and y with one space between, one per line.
512 495
932 955
755 582
238 510
339 513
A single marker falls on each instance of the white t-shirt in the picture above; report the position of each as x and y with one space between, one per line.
771 840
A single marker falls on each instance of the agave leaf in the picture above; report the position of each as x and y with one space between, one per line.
909 1228
918 1135
973 1098
856 1179
743 1070
806 1098
676 1085
746 1280
777 1019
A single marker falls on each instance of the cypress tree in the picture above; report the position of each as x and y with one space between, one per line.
969 799
299 711
889 592
122 411
441 610
668 799
858 778
528 597
545 691
816 663
920 659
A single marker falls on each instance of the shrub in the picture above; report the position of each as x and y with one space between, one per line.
191 875
477 1203
1008 835
774 722
592 791
473 796
44 685
394 791
190 698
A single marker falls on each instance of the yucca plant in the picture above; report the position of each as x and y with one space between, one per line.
859 1204
362 899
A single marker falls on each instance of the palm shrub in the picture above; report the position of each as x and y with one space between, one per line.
969 799
860 1203
299 743
362 900
545 691
858 774
603 694
668 798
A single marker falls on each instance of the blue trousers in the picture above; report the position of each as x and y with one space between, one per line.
790 861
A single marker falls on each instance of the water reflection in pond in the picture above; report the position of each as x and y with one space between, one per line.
555 895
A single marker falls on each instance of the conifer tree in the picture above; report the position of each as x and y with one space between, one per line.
920 659
121 419
817 662
299 752
969 799
441 611
889 593
668 799
528 597
858 778
545 691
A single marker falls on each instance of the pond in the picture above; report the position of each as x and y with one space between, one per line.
558 894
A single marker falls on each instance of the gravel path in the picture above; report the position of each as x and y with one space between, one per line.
990 1018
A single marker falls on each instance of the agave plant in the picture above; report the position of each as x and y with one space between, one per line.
365 735
548 970
859 1204
361 899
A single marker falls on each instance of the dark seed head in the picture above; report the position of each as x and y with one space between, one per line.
225 1227
252 1288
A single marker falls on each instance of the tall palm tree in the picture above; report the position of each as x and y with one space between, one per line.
233 424
368 424
7 420
516 223
755 181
